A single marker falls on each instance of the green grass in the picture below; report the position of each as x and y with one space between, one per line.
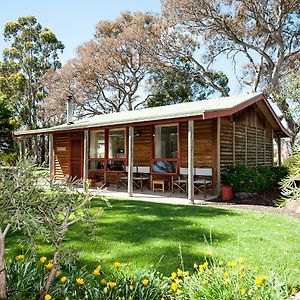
150 235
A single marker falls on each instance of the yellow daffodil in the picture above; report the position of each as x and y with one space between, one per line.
225 276
179 273
241 260
208 253
243 291
58 273
131 281
49 266
37 247
43 259
48 297
79 281
112 284
231 264
105 290
294 291
145 282
20 257
103 281
63 279
117 265
131 287
96 272
203 267
174 286
260 280
173 275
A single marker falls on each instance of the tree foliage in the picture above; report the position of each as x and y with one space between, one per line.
175 86
25 205
265 34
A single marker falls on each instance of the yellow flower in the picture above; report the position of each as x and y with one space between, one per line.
243 291
145 281
173 275
63 279
58 273
174 286
241 260
20 257
112 284
49 266
79 281
131 287
48 297
43 259
96 272
231 264
103 281
260 280
208 253
37 247
186 273
225 276
131 281
179 273
294 291
117 265
205 264
105 290
203 267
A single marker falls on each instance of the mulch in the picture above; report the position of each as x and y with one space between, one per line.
263 202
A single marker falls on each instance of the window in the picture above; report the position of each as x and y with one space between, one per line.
116 143
97 150
166 141
165 149
97 144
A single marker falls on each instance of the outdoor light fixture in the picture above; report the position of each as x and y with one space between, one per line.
138 133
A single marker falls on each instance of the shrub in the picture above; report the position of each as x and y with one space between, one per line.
253 179
211 279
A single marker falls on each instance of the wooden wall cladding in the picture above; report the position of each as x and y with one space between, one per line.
142 146
61 147
245 144
203 132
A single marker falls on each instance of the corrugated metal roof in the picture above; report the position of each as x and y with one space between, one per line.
174 111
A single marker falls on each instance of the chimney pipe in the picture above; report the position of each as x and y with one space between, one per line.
70 110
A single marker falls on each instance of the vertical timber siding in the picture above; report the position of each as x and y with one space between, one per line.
203 132
249 134
142 146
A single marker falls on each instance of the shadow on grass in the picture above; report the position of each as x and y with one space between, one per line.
148 234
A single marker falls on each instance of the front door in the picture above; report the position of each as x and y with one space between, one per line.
76 158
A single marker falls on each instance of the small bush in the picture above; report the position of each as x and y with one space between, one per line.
243 178
210 279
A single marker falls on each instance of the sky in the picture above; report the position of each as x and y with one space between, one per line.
73 22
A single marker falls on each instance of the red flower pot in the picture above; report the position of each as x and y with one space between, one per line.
226 192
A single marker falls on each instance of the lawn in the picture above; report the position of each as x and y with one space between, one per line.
152 235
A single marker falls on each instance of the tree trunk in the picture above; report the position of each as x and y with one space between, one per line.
3 284
43 149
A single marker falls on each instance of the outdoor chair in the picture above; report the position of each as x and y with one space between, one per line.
180 183
202 179
122 177
141 177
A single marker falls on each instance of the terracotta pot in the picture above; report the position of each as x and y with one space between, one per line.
226 192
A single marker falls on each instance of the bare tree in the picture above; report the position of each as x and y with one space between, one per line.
266 33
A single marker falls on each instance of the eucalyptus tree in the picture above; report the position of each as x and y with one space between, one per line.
33 50
264 34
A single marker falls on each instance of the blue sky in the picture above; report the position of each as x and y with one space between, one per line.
74 22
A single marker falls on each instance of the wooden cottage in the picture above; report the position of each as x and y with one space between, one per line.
164 141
